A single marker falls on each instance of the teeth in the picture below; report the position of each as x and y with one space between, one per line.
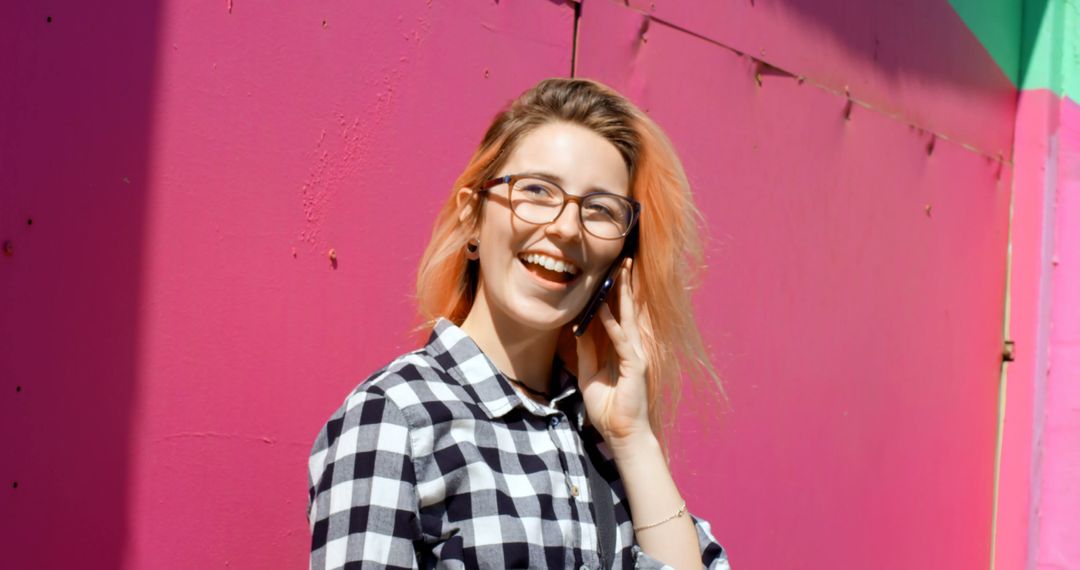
551 264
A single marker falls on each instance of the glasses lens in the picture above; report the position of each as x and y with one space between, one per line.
606 216
536 201
539 202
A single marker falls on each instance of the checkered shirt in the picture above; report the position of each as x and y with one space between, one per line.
437 461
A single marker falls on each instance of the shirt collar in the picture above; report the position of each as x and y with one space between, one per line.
460 356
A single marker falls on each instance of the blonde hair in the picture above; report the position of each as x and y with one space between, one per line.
669 254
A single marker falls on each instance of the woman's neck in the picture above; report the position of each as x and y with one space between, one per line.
521 353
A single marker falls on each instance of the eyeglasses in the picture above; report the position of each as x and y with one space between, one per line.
537 200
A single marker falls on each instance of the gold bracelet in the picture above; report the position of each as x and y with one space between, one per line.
678 513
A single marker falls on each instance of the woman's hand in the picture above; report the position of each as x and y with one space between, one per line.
618 407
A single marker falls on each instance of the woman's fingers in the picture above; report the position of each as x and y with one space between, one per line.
586 356
616 333
627 308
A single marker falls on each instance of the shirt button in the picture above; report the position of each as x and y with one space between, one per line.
555 421
574 490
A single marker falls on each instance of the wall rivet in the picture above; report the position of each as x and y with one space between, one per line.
333 258
1008 352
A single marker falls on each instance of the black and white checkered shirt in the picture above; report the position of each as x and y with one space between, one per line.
437 461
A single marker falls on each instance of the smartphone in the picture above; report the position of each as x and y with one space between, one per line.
602 290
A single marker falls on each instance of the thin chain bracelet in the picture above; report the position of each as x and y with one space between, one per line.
678 513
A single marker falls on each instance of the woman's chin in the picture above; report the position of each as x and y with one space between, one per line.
543 317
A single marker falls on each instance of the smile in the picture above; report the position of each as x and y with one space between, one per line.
549 269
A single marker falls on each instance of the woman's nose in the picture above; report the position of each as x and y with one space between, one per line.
568 225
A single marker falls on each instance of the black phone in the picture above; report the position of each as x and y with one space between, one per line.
602 290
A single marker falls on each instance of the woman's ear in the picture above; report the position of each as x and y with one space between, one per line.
466 204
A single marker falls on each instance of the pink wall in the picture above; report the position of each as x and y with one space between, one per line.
1059 546
1031 241
1040 465
76 114
171 315
859 333
175 333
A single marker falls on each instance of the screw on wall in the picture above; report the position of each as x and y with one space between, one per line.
18 389
487 73
333 258
930 145
14 484
48 19
848 105
9 248
29 221
928 209
324 24
1008 351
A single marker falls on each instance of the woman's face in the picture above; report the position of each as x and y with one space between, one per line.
512 285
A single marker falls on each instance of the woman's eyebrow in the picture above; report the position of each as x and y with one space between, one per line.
558 180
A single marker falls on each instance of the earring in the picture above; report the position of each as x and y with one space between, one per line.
472 249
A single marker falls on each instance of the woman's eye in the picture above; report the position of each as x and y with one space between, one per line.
536 190
600 210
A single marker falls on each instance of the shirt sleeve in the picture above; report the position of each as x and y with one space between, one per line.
363 506
713 556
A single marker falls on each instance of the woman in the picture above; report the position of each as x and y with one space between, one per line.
508 441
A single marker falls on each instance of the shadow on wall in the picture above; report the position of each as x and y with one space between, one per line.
921 36
76 117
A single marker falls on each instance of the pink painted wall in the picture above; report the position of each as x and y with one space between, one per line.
76 113
174 332
855 292
1040 464
1059 537
171 316
1031 241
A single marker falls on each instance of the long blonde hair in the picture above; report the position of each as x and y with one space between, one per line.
669 254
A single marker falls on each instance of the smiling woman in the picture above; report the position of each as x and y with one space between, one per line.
521 435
